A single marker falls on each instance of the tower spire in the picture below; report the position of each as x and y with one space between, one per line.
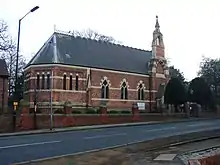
157 26
157 43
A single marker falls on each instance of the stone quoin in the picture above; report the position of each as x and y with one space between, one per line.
90 73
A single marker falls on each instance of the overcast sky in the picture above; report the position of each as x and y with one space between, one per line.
191 28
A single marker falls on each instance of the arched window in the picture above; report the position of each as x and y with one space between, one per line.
71 83
124 90
43 81
38 81
64 82
48 80
105 89
77 82
158 41
140 91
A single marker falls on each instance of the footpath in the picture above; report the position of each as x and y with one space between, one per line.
76 128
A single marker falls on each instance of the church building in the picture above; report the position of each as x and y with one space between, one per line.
90 73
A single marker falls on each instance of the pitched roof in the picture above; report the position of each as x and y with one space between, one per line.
3 68
67 49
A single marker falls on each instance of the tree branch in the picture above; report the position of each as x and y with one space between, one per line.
91 34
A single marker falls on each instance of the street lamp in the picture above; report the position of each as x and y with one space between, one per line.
150 92
51 101
19 28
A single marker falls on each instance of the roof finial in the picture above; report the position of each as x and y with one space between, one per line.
54 28
157 26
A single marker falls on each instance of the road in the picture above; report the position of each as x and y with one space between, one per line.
29 147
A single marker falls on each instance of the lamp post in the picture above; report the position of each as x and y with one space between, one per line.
18 42
150 92
35 107
51 101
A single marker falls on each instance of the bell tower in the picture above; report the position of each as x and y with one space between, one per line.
158 62
158 68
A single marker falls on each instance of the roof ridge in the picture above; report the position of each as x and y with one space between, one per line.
99 41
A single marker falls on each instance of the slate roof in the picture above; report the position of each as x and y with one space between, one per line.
3 68
67 49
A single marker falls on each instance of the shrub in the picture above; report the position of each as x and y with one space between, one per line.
32 110
125 112
113 112
59 111
91 111
67 104
76 112
98 111
23 102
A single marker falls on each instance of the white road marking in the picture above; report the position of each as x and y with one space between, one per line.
103 148
159 129
82 152
28 144
104 136
200 124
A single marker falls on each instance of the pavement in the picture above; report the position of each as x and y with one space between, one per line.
75 128
15 149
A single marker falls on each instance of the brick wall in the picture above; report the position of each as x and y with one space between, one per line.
212 160
59 94
93 97
6 121
26 120
3 94
115 80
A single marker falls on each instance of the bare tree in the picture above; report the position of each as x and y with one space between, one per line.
8 53
10 58
91 34
6 42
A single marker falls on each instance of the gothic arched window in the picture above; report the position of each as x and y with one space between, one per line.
140 91
64 82
124 90
71 82
77 82
105 89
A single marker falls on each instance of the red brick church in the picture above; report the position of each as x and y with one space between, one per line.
89 73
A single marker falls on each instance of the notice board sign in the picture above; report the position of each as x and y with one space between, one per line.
141 106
